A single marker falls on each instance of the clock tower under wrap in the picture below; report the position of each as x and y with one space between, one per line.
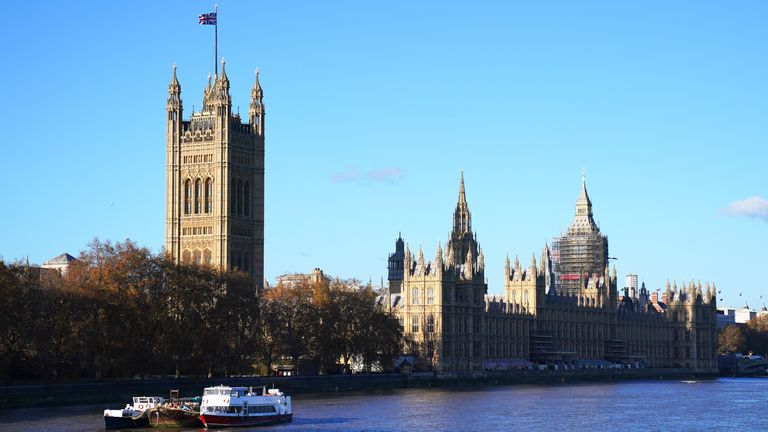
215 180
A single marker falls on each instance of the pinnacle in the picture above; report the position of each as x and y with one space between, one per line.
174 81
223 70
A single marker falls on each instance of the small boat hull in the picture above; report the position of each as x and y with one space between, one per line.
126 422
216 421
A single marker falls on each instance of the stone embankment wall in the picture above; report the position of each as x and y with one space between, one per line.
115 394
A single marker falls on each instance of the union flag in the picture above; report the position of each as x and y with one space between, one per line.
207 19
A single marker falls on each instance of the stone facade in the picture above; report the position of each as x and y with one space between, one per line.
215 180
452 325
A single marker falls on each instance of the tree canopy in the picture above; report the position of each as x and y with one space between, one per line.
121 311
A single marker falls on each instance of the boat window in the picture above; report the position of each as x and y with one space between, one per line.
261 409
235 394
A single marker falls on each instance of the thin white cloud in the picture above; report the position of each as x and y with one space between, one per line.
349 175
389 175
380 175
755 207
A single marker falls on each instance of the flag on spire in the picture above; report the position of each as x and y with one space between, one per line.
207 19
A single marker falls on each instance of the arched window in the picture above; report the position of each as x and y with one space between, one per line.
207 257
197 257
198 196
246 263
186 257
233 200
208 195
246 199
239 194
188 197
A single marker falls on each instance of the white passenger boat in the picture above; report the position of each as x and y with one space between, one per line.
131 416
224 406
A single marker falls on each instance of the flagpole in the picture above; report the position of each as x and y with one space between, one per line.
216 40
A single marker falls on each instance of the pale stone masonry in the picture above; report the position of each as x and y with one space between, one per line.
452 325
215 180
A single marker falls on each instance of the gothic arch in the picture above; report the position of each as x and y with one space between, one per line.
208 195
198 195
197 257
246 199
239 195
207 257
188 196
186 257
233 199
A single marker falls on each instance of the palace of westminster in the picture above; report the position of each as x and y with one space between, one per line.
564 307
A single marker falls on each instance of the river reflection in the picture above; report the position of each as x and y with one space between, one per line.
724 404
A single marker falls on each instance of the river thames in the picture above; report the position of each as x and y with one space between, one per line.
722 404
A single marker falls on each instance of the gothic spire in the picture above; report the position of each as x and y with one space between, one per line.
174 82
223 76
256 90
174 93
462 219
583 221
256 108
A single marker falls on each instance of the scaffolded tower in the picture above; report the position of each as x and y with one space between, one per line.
582 251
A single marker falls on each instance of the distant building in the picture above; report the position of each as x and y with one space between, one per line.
725 317
451 325
395 266
744 314
631 284
59 263
294 279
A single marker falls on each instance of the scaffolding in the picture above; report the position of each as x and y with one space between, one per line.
576 256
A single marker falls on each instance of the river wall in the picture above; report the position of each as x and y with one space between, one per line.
117 393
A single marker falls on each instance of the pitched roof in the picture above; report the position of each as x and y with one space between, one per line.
64 258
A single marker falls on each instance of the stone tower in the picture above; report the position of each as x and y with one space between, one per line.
582 252
215 180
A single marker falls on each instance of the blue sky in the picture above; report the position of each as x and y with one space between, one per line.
373 109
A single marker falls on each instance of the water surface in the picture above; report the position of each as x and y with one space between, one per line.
723 404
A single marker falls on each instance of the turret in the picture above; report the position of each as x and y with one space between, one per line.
407 263
480 261
174 91
469 265
506 268
256 110
462 219
174 109
420 259
221 97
